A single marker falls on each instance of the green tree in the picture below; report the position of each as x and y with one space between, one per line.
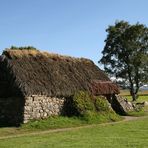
125 54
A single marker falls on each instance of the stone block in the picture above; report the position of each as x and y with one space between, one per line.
121 105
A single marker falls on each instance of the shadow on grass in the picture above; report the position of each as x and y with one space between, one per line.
5 123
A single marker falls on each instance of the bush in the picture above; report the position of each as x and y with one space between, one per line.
100 117
90 109
82 102
101 104
91 117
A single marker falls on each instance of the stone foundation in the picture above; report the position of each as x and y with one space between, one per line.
40 107
17 110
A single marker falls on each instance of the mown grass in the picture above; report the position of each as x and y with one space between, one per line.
142 112
97 136
124 135
126 92
60 122
142 95
140 98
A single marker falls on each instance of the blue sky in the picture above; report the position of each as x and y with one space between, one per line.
70 27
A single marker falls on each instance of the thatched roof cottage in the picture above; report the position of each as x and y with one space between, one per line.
35 84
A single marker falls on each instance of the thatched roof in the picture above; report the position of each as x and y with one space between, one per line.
32 72
104 87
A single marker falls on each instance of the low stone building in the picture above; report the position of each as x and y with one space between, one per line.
35 85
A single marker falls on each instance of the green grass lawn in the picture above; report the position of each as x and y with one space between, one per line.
126 92
143 95
126 134
140 98
132 134
59 122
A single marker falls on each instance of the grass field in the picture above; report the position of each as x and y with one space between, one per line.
143 95
125 134
59 122
127 93
121 135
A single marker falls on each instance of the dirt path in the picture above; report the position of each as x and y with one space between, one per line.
126 118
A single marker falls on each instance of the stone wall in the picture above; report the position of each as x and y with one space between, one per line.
40 107
121 105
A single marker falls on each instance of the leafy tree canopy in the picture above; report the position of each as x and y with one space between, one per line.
125 54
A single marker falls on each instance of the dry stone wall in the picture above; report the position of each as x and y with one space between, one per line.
40 107
121 105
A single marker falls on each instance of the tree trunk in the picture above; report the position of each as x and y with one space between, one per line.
133 94
134 97
133 91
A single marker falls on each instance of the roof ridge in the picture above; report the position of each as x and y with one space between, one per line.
33 53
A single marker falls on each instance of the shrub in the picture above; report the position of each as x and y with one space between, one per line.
100 117
91 109
82 102
91 117
101 104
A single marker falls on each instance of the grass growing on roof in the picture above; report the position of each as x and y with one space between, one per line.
23 48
